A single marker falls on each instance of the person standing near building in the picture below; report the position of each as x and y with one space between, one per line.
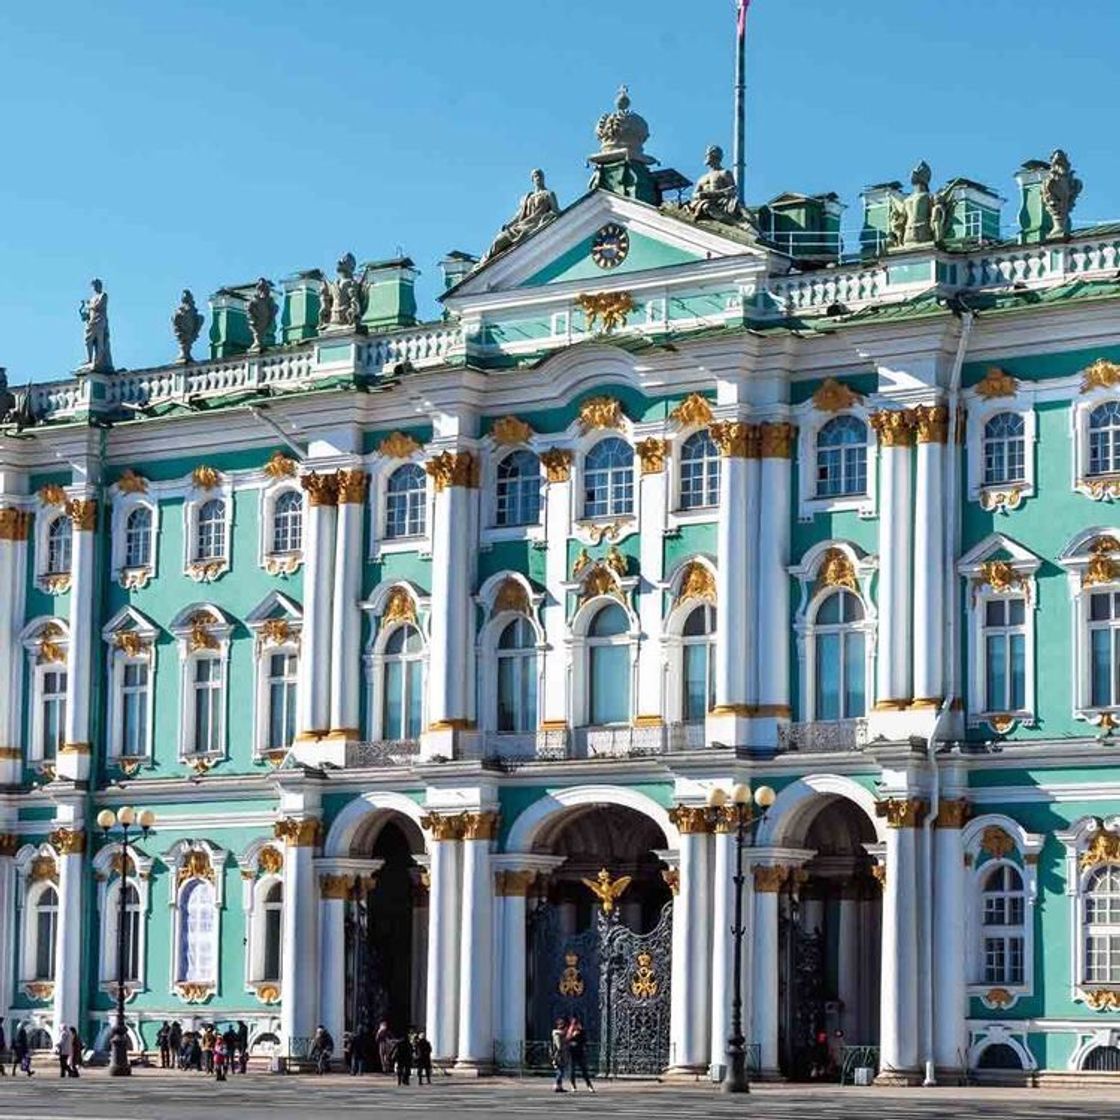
402 1055
75 1051
221 1057
577 1053
322 1048
21 1052
63 1051
175 1040
243 1044
384 1041
558 1052
423 1058
163 1041
3 1051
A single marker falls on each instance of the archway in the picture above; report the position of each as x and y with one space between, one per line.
829 941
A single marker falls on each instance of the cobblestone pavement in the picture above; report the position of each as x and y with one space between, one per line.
152 1095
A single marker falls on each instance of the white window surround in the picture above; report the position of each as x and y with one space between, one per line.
1013 1035
1024 858
255 883
488 656
277 625
279 563
578 652
122 507
131 638
810 420
108 900
1004 496
813 593
1097 487
204 570
29 894
673 642
1022 566
675 515
373 660
45 642
214 627
491 457
175 858
45 517
580 448
1077 840
380 473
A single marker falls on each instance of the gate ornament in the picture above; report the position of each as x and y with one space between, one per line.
644 985
571 982
607 890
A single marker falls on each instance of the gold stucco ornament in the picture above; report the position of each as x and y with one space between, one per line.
607 890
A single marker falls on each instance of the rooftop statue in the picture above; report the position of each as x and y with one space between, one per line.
8 405
622 131
1060 190
186 324
715 195
922 217
342 300
537 209
94 312
261 312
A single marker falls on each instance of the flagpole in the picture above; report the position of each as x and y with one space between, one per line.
740 152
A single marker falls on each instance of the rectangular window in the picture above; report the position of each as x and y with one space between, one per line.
46 932
1102 958
973 223
207 705
134 710
828 676
1104 638
53 699
282 674
610 691
272 940
1005 655
696 688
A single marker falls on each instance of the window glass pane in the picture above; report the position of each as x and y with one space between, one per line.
1100 607
394 701
995 699
609 684
995 612
696 681
272 920
1018 673
828 676
415 695
855 703
1100 668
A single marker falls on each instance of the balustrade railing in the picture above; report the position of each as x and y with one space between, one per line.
383 752
823 736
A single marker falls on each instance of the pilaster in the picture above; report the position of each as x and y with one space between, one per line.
14 526
723 942
652 511
950 944
299 979
346 617
74 753
557 462
931 426
9 845
70 844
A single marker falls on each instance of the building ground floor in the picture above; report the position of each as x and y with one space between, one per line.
959 922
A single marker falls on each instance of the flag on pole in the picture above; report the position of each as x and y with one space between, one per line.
742 17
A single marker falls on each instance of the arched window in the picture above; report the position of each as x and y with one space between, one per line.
842 457
608 479
138 538
518 498
271 932
403 703
196 933
699 472
1102 1059
608 667
59 538
1005 457
517 677
1005 654
406 502
287 522
1104 649
1102 926
210 533
46 933
838 657
1104 439
1004 907
283 673
998 1055
698 663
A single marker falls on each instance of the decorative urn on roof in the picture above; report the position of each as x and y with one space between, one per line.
622 134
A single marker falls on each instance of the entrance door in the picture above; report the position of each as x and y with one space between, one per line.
801 994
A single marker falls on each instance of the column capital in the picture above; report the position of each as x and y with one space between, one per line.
82 513
652 452
68 841
770 880
775 439
902 812
514 884
322 489
298 832
690 819
952 813
353 485
557 464
482 825
15 524
444 826
9 844
931 423
453 468
736 439
895 427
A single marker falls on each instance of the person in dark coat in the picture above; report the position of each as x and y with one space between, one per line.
3 1051
175 1040
62 1050
402 1055
384 1041
163 1041
243 1045
577 1053
423 1058
21 1053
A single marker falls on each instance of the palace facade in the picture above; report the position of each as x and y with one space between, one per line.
406 631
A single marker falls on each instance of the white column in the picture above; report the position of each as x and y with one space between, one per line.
690 1007
346 617
443 939
849 970
723 944
299 1005
74 755
451 644
773 629
764 991
476 961
513 887
14 525
332 954
313 697
652 505
70 844
558 500
893 653
929 550
898 1007
9 845
950 1000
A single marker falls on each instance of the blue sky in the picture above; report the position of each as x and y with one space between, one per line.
193 145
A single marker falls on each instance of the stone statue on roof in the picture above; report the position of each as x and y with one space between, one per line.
537 209
1060 190
342 300
186 324
94 312
261 313
8 404
715 196
623 132
922 217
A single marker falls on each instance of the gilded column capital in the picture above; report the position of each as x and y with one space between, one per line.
9 844
82 513
453 468
775 440
651 452
298 832
902 812
353 485
557 464
444 826
513 884
736 439
894 427
334 887
14 523
770 880
931 423
481 826
68 841
322 489
952 813
690 819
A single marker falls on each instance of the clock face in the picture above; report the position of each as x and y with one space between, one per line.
610 246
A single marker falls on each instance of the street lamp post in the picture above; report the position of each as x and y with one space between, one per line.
124 820
741 810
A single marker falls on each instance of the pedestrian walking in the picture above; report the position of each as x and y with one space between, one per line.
229 1037
21 1052
243 1044
423 1058
403 1057
3 1051
75 1054
359 1045
207 1045
577 1053
221 1057
558 1052
322 1049
62 1050
175 1041
384 1041
163 1041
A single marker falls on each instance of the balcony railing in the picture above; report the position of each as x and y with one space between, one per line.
383 752
823 736
588 743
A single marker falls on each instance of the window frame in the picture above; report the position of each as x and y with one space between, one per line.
42 659
579 490
582 645
495 522
196 567
843 629
219 630
375 661
521 656
1004 496
810 420
133 577
708 508
425 506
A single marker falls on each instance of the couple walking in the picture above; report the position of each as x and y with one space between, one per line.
569 1052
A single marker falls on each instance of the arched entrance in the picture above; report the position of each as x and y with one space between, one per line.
610 967
386 926
829 923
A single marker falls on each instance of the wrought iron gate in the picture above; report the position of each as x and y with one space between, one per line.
358 970
801 993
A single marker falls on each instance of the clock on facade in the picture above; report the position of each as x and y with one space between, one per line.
610 246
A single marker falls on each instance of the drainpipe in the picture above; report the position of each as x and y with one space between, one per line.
952 506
